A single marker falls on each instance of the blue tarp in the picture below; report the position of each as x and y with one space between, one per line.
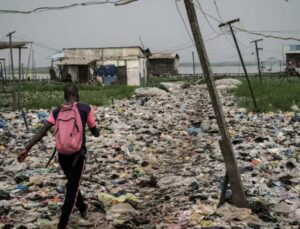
108 73
107 70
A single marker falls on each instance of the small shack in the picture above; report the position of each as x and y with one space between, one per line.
113 65
163 64
292 55
20 45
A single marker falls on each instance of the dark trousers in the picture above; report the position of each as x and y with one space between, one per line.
73 196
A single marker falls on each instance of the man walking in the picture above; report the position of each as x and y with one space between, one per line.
70 121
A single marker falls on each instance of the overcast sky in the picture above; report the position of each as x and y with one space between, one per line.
157 22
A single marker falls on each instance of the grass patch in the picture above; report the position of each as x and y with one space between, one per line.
35 96
273 94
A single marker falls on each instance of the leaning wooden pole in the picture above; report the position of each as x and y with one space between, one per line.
14 97
241 58
2 76
5 73
19 81
238 195
257 57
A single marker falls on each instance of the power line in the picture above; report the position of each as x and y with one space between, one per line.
248 35
208 22
266 35
48 8
277 31
247 31
39 44
179 49
218 11
207 14
191 45
215 19
213 38
226 37
185 25
251 38
220 18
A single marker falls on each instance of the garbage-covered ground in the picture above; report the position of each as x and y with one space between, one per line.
157 164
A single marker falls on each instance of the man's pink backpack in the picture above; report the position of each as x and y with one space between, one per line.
68 130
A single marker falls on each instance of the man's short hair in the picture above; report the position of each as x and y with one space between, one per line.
71 90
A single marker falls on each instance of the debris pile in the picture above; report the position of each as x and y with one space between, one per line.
158 164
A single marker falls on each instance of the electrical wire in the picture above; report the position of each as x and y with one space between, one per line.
220 18
39 44
182 19
47 8
207 14
278 31
265 35
206 18
248 35
218 11
178 49
245 30
190 46
216 20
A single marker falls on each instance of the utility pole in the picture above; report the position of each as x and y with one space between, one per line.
5 70
1 76
32 64
12 70
283 55
232 171
241 57
194 71
35 76
19 84
22 72
28 64
257 55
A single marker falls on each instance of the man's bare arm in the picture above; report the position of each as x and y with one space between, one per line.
40 134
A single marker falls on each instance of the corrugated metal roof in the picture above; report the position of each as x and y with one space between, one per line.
164 56
75 62
292 52
15 44
105 53
117 47
58 56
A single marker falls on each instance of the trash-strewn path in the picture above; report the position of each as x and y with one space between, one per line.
157 164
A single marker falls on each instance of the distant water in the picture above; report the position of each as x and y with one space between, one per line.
183 69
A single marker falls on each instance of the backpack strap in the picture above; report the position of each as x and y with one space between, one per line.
56 112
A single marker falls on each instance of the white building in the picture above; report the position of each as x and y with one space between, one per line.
122 65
